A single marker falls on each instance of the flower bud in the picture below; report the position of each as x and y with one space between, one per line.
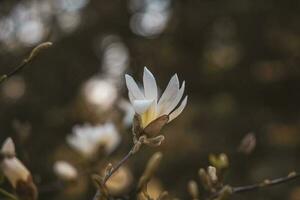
17 174
212 174
151 167
65 171
247 144
219 161
193 189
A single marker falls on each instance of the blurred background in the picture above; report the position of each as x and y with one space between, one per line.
240 60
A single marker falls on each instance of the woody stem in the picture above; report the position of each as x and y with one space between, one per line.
264 184
257 186
26 61
8 195
119 164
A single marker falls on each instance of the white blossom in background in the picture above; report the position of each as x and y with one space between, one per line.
128 110
31 32
87 139
29 22
147 103
65 170
12 168
150 17
114 56
100 92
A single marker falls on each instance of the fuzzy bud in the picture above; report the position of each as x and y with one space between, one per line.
247 144
212 174
193 189
219 161
65 171
151 167
17 174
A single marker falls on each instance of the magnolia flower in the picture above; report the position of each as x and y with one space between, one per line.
149 106
65 170
87 139
12 167
17 174
101 92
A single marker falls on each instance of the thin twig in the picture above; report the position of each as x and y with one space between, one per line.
27 60
120 163
266 183
128 155
8 195
257 186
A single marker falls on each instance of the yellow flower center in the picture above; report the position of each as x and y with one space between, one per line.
148 116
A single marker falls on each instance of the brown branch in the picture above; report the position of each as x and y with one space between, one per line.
26 61
120 163
266 183
114 169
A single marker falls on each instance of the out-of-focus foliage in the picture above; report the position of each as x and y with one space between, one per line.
240 60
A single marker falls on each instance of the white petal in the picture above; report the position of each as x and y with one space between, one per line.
175 100
65 170
140 106
14 170
178 111
169 93
8 147
133 88
131 98
150 86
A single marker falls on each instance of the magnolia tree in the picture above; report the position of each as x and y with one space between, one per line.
148 112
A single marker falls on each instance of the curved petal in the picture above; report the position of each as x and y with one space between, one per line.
169 93
178 110
140 106
131 98
150 85
15 171
175 100
8 147
133 88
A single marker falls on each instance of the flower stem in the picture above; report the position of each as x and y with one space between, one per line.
27 60
267 183
119 164
7 194
257 186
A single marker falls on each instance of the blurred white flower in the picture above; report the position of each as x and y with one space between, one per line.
70 5
87 139
31 32
69 21
128 110
8 147
150 17
14 88
100 92
115 57
65 170
12 167
146 103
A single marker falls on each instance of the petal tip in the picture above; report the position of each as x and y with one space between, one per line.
8 146
127 76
